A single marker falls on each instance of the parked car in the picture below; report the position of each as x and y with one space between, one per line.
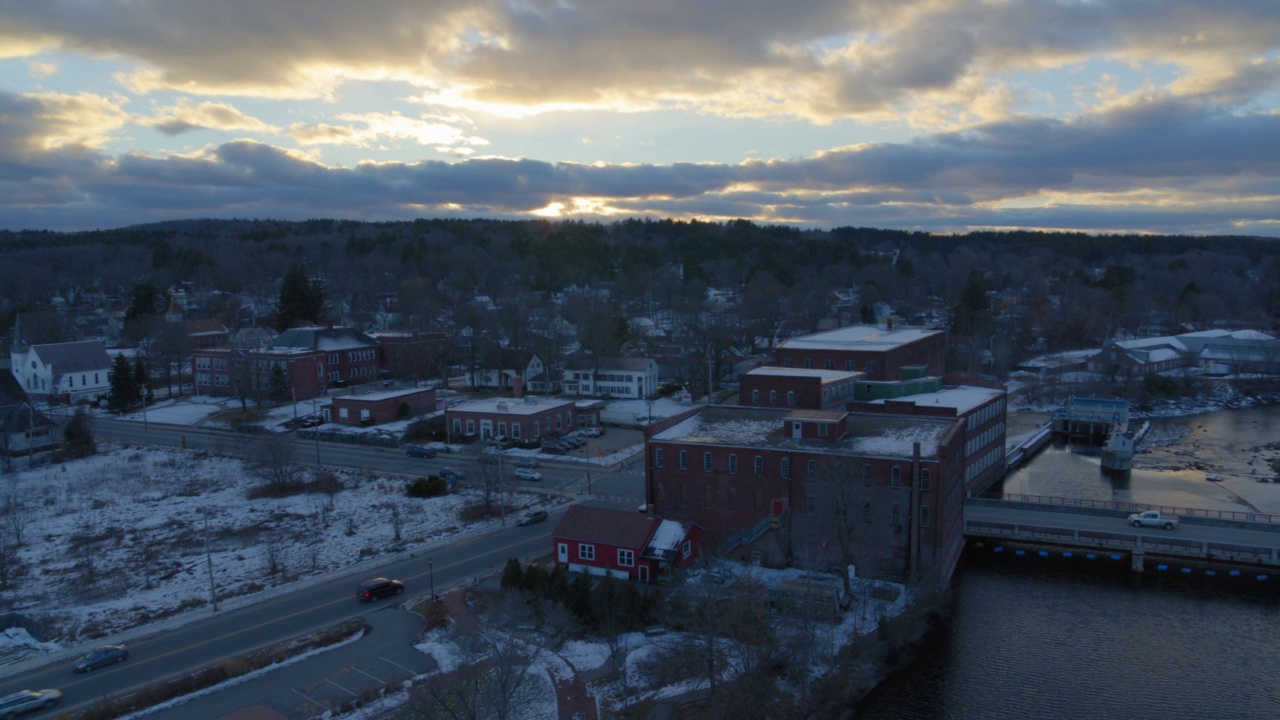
102 657
379 587
450 475
593 431
527 474
419 451
554 449
28 700
527 462
1154 518
531 517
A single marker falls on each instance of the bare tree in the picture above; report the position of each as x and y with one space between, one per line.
273 462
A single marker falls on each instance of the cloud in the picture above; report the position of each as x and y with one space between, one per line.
41 69
186 116
37 123
1163 164
820 60
365 129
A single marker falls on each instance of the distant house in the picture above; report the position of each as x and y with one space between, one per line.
626 545
630 378
376 408
206 334
510 365
60 372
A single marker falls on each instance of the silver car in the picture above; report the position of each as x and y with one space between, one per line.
26 701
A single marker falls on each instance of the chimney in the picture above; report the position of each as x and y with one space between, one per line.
517 387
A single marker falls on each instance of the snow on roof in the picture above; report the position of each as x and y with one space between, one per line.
1163 355
866 434
1147 343
961 398
529 405
857 337
824 375
382 395
667 536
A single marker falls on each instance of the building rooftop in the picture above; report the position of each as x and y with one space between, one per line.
528 405
961 398
823 375
609 527
858 338
866 434
382 395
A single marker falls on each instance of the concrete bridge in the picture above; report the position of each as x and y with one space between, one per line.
1226 537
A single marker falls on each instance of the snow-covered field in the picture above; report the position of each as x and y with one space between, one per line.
96 546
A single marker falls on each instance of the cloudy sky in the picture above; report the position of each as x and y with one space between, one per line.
938 115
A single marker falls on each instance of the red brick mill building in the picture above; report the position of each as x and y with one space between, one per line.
795 487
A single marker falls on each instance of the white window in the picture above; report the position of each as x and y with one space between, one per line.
684 459
658 457
687 549
924 478
364 414
342 413
755 397
733 463
791 397
626 558
773 397
895 476
586 552
784 467
707 465
822 429
759 469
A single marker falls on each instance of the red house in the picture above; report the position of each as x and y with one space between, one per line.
623 544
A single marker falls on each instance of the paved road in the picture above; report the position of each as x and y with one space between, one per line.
1189 530
232 632
324 681
623 484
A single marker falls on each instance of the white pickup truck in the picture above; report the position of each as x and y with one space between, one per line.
1154 518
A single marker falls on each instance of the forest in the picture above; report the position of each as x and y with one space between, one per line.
554 287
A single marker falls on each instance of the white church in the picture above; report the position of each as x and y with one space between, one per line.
61 372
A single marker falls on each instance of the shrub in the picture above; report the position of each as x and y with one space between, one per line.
426 487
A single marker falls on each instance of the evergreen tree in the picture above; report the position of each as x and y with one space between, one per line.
301 298
79 440
124 385
512 575
279 389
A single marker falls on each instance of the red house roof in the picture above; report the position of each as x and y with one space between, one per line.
606 527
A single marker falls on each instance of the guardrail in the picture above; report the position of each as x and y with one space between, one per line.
1125 541
1049 501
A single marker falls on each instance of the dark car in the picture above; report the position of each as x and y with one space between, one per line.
378 588
534 516
102 657
419 451
27 701
451 475
554 449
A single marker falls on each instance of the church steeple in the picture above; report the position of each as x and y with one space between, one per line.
20 344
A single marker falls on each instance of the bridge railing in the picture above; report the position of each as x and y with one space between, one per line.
1183 512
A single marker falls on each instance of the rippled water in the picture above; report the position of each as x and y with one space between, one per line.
1062 639
1039 639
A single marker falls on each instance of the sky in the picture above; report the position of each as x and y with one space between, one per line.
1109 116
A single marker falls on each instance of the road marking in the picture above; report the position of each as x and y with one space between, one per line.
341 688
393 662
378 679
309 699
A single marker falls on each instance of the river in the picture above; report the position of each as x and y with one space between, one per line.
1059 639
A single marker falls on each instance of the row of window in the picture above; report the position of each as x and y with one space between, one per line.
987 414
830 364
626 558
983 439
784 467
71 380
984 463
895 511
773 397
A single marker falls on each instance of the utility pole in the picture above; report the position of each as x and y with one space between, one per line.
208 558
314 431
